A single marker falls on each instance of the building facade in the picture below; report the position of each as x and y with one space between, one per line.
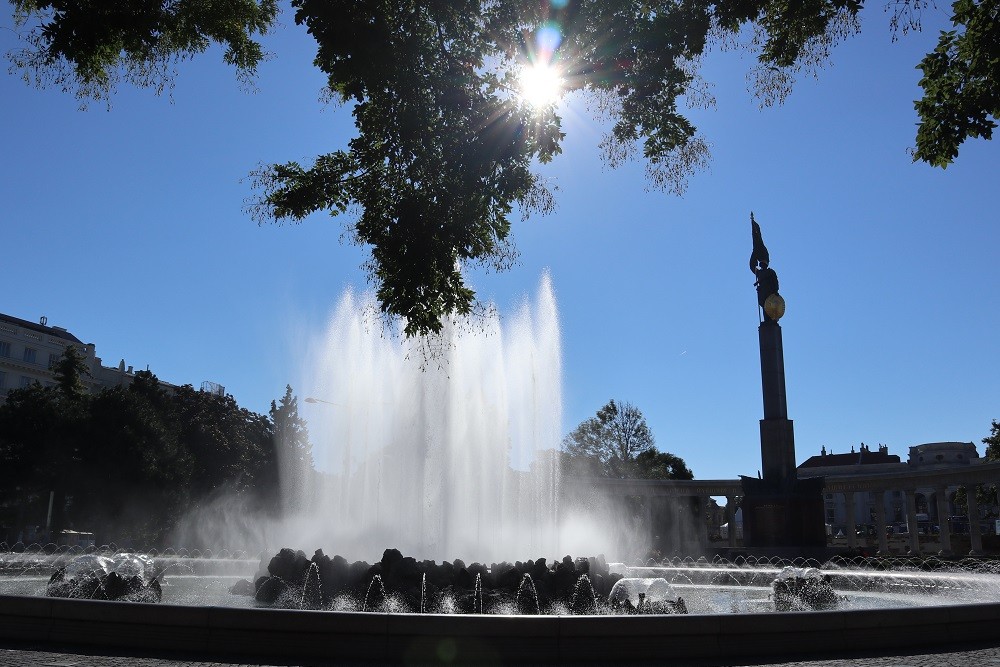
29 350
864 461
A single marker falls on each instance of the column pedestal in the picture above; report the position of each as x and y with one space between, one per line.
780 511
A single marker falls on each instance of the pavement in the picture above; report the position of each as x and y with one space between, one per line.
37 655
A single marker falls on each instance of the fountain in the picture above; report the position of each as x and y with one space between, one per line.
449 455
437 448
677 608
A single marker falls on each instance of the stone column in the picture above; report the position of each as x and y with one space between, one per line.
777 439
678 507
704 509
647 502
911 521
974 535
942 511
883 540
852 529
731 519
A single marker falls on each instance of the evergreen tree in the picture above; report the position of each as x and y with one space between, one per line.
294 451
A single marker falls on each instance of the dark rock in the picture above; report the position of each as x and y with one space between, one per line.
390 557
289 565
509 579
464 578
269 589
242 587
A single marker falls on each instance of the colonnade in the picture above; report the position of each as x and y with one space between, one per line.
907 483
913 533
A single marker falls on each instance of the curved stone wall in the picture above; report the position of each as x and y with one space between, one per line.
464 639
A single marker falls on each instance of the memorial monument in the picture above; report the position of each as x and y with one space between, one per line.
781 513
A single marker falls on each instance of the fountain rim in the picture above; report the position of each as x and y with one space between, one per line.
380 637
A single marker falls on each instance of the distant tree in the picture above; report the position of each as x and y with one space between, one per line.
617 442
31 455
128 462
652 464
230 446
294 451
986 494
992 442
69 372
42 438
134 476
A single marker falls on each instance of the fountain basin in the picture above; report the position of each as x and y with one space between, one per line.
729 615
373 637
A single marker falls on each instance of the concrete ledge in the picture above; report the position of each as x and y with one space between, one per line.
478 639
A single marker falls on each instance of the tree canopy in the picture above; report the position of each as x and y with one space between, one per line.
128 462
446 145
617 442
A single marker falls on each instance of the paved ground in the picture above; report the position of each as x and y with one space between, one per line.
27 655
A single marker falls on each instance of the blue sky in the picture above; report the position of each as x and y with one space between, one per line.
127 227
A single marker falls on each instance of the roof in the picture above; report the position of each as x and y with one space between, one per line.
863 457
41 328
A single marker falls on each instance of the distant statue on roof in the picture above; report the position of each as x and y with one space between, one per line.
770 302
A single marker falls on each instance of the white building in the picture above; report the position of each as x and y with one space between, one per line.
865 461
28 350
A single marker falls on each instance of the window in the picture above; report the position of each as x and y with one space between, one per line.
3 380
4 348
29 354
25 381
53 359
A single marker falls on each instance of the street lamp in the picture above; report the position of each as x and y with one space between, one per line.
310 399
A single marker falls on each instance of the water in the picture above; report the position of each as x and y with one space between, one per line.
707 588
370 602
478 595
527 596
312 589
584 599
441 456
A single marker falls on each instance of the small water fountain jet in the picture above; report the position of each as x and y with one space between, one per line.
584 600
380 592
527 596
477 595
312 589
124 576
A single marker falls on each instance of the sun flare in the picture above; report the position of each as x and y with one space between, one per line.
541 85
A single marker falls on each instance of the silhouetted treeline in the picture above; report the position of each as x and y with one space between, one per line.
128 462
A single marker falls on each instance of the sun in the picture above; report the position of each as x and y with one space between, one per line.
541 84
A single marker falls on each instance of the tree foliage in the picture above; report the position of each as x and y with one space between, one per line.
992 442
961 82
617 442
445 146
88 47
128 462
293 449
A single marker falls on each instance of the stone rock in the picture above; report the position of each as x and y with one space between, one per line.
242 587
269 589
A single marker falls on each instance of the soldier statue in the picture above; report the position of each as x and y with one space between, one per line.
767 279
